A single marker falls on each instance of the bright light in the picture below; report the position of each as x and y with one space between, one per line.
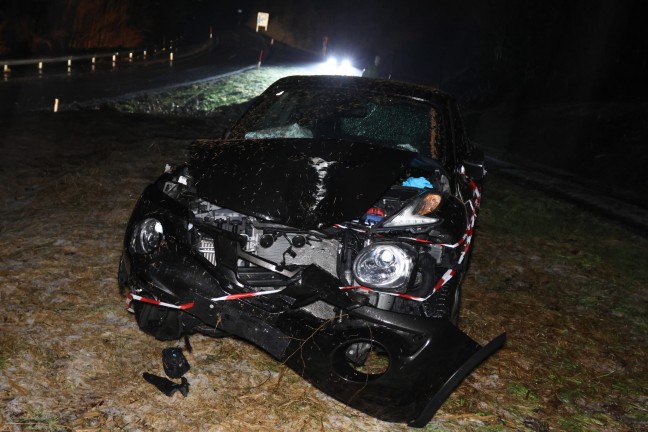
334 67
346 68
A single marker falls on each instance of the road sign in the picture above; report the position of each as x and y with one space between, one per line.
262 20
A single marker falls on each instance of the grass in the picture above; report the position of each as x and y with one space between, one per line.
565 232
206 99
599 264
582 282
37 419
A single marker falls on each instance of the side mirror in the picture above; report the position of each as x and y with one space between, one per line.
474 164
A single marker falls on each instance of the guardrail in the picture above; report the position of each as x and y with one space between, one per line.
115 57
39 62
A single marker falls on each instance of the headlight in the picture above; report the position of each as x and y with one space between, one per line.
147 236
416 212
383 265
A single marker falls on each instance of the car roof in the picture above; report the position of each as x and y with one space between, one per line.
353 83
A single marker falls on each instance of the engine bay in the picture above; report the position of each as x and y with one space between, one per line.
271 253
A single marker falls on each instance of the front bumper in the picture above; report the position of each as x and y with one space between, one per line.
309 325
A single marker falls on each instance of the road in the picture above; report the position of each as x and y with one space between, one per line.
32 91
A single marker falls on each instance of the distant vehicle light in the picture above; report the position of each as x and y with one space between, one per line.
346 68
333 66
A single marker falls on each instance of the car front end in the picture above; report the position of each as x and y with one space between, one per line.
299 247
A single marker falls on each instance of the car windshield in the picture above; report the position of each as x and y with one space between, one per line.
387 120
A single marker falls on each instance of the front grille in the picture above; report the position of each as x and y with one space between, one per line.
322 253
206 249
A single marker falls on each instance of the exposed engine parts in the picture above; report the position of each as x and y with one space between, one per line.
335 250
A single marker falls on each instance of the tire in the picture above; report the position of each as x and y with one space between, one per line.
163 323
456 305
122 277
446 302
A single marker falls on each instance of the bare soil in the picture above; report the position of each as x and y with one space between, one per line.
568 288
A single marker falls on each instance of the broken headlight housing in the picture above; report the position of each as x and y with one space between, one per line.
417 212
147 236
383 265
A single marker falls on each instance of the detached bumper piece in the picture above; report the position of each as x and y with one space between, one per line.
413 385
167 386
418 362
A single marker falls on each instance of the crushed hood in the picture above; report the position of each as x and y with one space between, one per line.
303 183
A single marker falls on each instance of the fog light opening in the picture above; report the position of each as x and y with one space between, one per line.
361 360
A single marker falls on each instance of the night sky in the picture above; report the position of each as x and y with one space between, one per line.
575 49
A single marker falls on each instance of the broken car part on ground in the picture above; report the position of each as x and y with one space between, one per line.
332 229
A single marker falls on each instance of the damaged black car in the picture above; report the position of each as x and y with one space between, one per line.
332 229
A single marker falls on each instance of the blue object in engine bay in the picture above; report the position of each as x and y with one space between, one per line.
418 182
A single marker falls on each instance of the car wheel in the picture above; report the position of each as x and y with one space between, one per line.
163 323
122 277
456 304
446 302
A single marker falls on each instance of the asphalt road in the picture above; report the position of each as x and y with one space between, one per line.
24 89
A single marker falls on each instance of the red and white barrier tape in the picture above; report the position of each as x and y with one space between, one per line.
444 279
245 295
136 297
473 219
215 299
